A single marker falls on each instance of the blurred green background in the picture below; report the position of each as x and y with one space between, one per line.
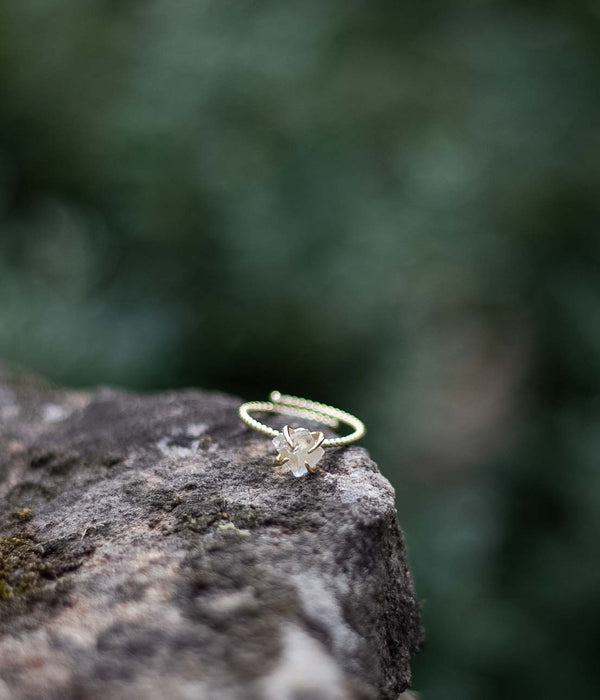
391 207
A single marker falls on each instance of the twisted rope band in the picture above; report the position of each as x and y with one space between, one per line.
303 408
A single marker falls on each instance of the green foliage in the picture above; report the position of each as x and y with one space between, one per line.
391 207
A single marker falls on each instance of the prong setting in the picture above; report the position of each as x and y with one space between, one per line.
319 437
310 468
300 449
287 436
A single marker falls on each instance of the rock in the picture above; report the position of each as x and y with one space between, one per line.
150 549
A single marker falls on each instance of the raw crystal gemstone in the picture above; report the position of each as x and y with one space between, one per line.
303 440
298 456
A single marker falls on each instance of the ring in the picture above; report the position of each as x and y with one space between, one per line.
300 448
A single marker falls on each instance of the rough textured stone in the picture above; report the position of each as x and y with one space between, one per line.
150 549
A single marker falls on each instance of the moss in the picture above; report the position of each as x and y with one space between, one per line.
214 514
231 526
26 568
21 566
24 514
6 591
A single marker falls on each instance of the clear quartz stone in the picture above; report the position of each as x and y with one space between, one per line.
299 455
280 442
303 440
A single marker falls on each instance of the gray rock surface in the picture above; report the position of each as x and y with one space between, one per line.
150 549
